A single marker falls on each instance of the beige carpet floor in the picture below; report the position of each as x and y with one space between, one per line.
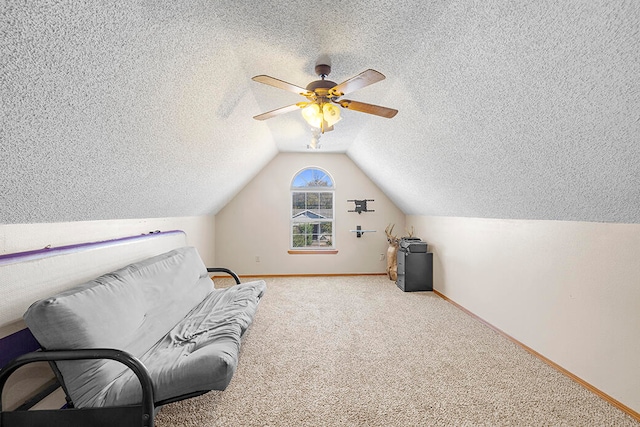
356 351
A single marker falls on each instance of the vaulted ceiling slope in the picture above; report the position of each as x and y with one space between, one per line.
137 109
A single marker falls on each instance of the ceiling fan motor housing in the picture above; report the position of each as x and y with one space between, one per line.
323 70
321 87
321 84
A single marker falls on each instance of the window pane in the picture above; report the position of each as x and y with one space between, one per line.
298 201
312 178
326 201
326 205
313 201
312 235
302 235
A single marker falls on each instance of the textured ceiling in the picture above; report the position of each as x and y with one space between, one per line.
137 109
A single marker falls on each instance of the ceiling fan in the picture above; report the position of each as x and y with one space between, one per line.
323 96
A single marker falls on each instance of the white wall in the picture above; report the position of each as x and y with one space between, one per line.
256 222
24 237
568 290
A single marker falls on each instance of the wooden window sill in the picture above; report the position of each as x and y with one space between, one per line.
313 252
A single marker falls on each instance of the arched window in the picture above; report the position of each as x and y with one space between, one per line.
312 212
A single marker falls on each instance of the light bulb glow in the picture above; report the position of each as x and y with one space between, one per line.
312 114
331 114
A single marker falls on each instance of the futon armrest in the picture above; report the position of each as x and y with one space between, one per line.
224 270
123 357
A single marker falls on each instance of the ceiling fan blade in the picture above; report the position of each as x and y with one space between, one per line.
279 111
368 108
272 81
363 79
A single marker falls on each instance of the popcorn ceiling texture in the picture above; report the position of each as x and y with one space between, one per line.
122 110
139 109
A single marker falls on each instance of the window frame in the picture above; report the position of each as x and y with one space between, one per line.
306 190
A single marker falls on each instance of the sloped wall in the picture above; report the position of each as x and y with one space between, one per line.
256 222
568 290
122 110
514 109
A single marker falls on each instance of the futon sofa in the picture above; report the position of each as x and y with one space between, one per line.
163 311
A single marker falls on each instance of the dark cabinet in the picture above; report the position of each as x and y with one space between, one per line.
415 266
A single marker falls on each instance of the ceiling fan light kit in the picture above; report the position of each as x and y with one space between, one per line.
321 118
321 111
